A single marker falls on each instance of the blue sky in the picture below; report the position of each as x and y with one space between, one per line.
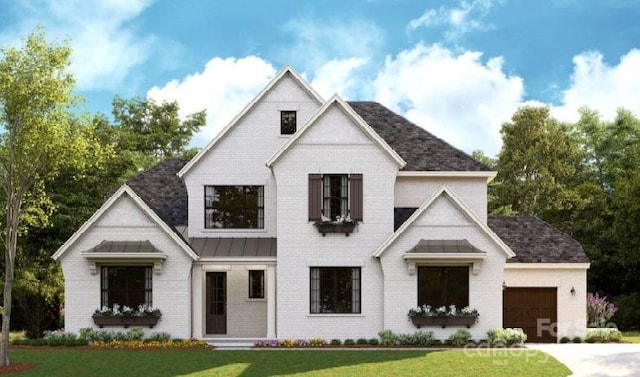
456 68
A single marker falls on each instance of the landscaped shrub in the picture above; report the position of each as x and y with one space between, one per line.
349 342
565 339
317 342
603 335
362 341
460 338
135 333
506 337
139 344
374 341
159 336
418 338
335 342
388 338
599 310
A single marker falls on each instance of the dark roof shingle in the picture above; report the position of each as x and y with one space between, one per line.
420 149
163 191
536 241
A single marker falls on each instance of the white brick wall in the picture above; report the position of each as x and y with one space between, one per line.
442 221
343 150
413 191
572 309
171 293
239 158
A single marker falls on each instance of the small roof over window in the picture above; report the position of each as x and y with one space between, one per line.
124 252
444 252
445 247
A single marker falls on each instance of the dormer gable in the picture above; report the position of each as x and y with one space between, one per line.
286 73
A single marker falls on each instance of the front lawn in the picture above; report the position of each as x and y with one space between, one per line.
91 362
631 336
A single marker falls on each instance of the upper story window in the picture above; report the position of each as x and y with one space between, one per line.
335 195
234 207
288 122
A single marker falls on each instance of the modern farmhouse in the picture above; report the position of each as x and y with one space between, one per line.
307 218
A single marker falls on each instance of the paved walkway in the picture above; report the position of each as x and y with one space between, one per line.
596 360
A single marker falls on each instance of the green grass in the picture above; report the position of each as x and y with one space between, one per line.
631 336
91 362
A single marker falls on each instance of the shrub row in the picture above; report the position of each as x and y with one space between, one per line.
133 338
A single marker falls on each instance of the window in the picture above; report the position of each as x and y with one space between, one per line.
256 284
335 290
234 207
287 122
126 285
333 195
438 286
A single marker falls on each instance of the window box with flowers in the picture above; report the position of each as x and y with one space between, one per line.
342 224
426 316
126 316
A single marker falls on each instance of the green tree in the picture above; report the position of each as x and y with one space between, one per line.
40 137
537 158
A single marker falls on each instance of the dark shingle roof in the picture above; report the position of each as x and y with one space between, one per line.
164 191
532 240
536 241
420 149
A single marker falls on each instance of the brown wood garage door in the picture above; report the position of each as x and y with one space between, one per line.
524 306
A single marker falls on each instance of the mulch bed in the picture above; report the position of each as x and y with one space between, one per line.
16 367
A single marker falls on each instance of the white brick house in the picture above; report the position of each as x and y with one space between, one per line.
236 243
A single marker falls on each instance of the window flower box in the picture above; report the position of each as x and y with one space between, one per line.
443 316
124 321
467 321
342 224
125 316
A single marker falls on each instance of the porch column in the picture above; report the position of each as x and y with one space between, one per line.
271 301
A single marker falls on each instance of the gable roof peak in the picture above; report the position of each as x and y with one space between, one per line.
353 115
286 70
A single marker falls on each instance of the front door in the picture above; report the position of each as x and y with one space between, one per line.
216 311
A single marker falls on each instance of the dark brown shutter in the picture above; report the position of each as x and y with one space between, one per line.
355 196
315 197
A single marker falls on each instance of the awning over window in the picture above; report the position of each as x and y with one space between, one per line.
235 247
126 252
444 252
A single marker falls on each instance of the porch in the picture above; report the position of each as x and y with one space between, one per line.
234 292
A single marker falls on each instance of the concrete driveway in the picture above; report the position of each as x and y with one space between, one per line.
596 360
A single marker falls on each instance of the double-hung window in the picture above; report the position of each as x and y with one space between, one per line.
126 285
256 283
335 290
234 207
335 195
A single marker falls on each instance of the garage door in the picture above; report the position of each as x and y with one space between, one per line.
527 308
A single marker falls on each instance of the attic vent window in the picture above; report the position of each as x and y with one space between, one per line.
287 122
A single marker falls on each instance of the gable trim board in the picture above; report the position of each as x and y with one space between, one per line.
286 70
444 190
124 190
357 120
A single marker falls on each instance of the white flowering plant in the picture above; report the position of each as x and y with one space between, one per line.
442 311
125 311
338 220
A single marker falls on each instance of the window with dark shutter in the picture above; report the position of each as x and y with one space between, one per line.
315 197
355 196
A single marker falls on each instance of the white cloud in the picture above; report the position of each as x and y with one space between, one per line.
338 77
223 88
600 86
467 17
105 46
457 97
316 42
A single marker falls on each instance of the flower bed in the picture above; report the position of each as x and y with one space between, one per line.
342 224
